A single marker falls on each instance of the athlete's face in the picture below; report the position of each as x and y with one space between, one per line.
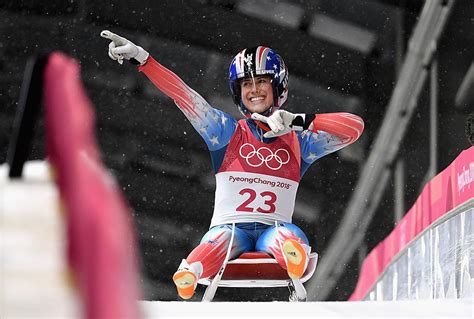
257 93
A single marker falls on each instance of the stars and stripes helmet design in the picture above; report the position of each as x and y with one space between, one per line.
258 61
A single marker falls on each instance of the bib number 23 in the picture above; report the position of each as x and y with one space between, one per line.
269 204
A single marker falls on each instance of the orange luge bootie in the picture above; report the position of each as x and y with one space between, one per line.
296 258
186 278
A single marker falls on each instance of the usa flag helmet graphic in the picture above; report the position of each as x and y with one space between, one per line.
258 61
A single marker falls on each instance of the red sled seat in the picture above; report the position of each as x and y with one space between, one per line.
258 269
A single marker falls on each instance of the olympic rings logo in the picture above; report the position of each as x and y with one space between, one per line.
257 157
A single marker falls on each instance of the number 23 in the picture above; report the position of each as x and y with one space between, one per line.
270 202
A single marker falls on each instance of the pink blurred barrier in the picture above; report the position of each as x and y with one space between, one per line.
102 246
446 191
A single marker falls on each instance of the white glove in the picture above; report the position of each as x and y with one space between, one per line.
121 48
280 122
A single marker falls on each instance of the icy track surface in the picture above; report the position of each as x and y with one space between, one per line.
433 309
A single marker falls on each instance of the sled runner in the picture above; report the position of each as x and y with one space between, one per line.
257 270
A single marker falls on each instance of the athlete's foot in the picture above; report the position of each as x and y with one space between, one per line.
295 258
185 281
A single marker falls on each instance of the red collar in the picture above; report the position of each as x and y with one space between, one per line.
260 124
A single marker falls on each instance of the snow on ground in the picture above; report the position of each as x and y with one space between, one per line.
433 309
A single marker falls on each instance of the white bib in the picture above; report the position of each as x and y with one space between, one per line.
251 197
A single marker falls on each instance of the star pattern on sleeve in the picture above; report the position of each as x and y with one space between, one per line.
215 140
223 119
203 129
312 156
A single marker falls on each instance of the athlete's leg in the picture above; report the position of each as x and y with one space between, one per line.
212 250
206 259
288 245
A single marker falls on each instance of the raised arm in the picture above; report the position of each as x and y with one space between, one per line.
215 127
193 105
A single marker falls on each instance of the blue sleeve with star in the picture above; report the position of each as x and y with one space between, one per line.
315 145
216 131
215 127
326 134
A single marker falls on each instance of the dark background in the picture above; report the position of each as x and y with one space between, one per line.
342 56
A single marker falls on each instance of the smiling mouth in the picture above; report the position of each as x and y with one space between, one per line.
257 99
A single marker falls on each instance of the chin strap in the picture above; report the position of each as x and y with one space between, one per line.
263 126
260 124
